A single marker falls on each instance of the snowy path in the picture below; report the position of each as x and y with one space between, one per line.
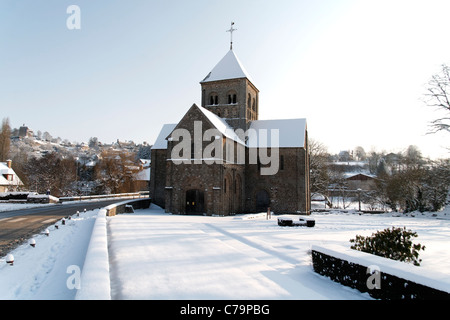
161 256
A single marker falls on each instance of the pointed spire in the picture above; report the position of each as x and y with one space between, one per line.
231 35
229 67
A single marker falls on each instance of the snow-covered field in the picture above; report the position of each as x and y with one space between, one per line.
155 255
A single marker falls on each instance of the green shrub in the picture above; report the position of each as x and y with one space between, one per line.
392 243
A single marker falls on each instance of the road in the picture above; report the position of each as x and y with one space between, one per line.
19 225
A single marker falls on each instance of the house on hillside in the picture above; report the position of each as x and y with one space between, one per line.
363 181
9 180
25 132
143 175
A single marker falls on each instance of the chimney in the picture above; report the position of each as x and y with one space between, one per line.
8 163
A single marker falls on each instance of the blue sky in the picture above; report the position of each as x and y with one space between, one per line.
356 70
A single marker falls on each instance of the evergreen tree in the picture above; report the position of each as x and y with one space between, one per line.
382 169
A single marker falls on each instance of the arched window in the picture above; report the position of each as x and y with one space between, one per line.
213 99
249 101
254 105
232 97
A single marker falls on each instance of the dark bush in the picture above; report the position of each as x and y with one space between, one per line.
392 243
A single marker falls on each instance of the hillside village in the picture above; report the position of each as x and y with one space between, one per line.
37 144
85 167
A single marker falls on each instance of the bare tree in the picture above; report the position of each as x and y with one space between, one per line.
413 157
93 143
338 187
46 136
360 154
114 173
438 96
318 162
5 139
51 172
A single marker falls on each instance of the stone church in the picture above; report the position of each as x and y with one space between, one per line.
221 159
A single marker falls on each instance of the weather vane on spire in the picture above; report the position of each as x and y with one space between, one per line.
231 35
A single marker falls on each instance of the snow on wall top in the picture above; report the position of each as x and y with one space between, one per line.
291 133
396 268
228 68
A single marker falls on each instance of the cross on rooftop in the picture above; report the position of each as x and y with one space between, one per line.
231 35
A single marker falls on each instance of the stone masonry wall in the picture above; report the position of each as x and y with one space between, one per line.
239 114
288 189
158 176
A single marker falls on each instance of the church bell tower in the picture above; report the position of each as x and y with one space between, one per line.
229 92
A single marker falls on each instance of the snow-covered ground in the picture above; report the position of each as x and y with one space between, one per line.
155 255
5 206
41 272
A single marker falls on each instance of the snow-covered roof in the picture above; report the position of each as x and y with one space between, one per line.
143 175
221 125
228 68
4 172
161 142
291 133
354 175
4 169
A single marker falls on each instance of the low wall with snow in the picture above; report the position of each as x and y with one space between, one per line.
95 279
121 207
382 278
95 282
140 194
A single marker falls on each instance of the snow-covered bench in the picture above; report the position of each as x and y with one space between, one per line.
296 221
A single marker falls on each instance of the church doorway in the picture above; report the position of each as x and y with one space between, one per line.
262 201
195 202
